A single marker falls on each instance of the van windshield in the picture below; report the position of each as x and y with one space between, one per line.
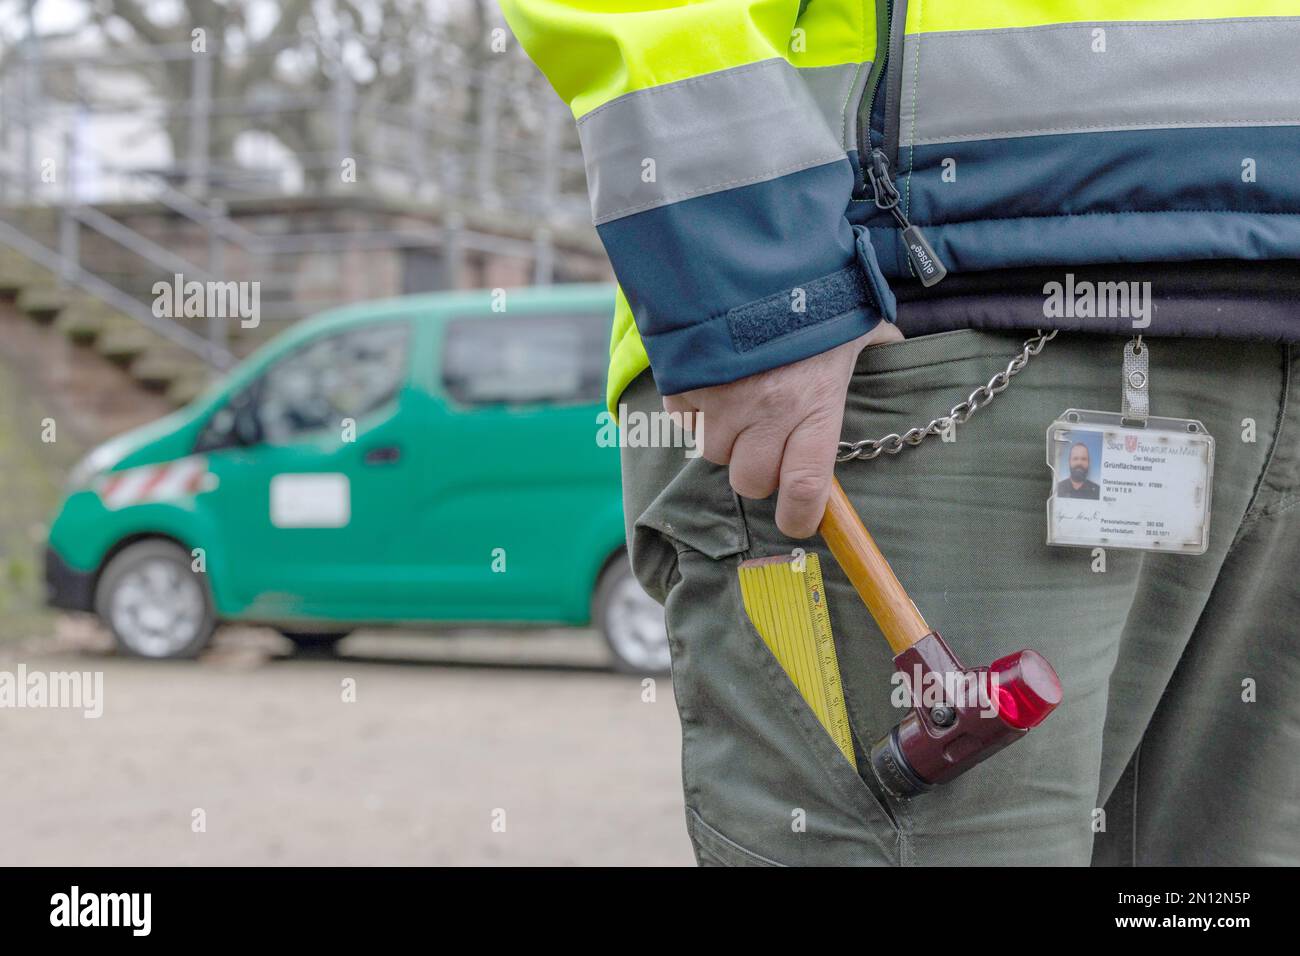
323 381
344 375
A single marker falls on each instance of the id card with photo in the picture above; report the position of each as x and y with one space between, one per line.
1119 486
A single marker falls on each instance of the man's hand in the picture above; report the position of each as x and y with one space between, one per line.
781 428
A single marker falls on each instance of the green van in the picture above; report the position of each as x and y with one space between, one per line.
429 459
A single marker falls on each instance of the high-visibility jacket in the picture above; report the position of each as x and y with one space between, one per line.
742 155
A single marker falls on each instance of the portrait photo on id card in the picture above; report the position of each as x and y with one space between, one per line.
1079 464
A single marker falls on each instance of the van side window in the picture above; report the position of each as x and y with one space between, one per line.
345 375
552 359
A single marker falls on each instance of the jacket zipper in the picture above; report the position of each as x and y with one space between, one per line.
891 24
926 264
866 104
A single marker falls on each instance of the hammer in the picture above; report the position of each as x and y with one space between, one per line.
948 730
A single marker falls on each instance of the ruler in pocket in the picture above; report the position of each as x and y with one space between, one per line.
786 603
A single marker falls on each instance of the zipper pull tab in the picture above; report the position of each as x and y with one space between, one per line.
926 264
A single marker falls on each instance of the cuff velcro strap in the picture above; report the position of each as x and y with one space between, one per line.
759 322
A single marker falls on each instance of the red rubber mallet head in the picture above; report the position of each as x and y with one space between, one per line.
960 716
949 732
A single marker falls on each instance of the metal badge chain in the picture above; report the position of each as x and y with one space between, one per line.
892 444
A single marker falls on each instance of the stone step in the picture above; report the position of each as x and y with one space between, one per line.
43 302
122 340
161 366
83 320
153 362
17 274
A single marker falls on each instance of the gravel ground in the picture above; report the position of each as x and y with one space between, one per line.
448 738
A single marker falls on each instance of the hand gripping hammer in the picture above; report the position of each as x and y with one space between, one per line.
938 739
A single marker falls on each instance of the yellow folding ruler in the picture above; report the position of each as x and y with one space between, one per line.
786 603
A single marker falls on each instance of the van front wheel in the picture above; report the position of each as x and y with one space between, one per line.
631 621
154 603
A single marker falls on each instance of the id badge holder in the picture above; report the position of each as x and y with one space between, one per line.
1127 479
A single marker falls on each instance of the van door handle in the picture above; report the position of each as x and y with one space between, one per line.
383 455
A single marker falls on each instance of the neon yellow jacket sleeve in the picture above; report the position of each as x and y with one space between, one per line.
715 137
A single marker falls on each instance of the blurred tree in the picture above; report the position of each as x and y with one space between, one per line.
298 70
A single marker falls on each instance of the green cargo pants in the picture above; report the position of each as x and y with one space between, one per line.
1178 741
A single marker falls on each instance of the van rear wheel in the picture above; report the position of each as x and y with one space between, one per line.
631 621
154 603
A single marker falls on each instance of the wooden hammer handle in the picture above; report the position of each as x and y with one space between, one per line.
870 573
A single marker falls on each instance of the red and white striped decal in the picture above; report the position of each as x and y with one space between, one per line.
152 483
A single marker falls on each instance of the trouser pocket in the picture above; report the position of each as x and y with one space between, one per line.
714 849
757 765
763 779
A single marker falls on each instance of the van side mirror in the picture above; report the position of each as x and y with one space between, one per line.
247 426
237 425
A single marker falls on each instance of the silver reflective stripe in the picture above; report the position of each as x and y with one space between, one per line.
837 90
714 132
1033 81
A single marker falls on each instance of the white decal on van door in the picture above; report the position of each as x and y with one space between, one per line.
311 501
